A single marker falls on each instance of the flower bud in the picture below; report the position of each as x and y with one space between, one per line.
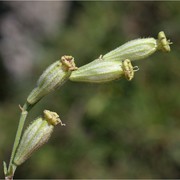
38 133
139 48
100 71
52 78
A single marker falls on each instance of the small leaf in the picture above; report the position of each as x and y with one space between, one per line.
5 167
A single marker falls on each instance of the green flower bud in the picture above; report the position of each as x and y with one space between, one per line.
52 78
38 133
100 71
139 48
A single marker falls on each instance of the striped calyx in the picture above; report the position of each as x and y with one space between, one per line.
37 134
100 71
139 48
52 78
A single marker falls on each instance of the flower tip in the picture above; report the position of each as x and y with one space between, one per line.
52 118
163 43
68 62
129 69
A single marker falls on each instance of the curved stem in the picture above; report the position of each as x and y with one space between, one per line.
12 167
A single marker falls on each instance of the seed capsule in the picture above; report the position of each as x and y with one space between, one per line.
100 71
139 48
37 134
52 78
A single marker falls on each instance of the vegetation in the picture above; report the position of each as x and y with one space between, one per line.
116 130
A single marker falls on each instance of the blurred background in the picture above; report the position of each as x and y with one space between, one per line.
119 129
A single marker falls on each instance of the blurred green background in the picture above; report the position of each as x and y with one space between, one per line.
119 129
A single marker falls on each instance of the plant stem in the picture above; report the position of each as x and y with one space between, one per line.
12 167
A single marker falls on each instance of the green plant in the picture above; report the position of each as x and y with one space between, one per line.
108 67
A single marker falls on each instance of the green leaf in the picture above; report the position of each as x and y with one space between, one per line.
5 167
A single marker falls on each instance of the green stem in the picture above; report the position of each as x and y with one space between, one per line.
12 167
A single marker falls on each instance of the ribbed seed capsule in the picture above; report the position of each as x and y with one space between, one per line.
38 133
100 71
139 48
52 78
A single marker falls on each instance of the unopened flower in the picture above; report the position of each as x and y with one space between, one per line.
100 71
37 134
52 78
139 48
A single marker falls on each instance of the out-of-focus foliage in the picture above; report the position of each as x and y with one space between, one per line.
116 130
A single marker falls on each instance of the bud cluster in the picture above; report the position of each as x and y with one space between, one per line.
113 65
117 63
